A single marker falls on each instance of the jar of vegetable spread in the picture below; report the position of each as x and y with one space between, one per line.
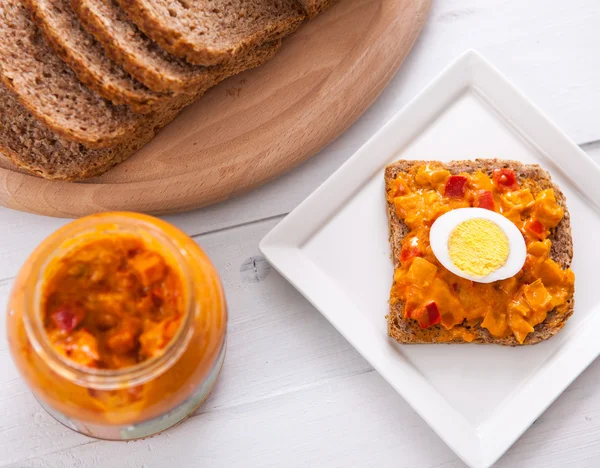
117 322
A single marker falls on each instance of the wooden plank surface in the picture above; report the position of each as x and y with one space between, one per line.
294 393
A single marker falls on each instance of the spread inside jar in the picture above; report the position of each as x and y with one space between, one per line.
433 295
112 302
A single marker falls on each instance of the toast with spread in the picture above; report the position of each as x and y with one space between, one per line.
430 304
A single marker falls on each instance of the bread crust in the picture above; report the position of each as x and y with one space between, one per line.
124 43
186 43
314 8
78 49
407 330
49 89
31 146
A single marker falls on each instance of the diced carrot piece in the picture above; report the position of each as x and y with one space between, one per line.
538 297
150 267
495 323
121 341
421 272
154 339
551 273
81 346
520 327
547 209
539 249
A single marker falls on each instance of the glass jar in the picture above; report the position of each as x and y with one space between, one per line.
139 400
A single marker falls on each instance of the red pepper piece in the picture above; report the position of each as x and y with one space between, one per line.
484 199
505 179
428 315
535 227
455 186
134 252
67 317
409 252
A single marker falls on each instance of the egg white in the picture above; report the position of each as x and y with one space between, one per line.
445 224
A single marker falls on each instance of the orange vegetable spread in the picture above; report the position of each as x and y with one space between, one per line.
117 322
112 303
432 295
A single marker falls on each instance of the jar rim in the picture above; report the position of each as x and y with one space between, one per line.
75 234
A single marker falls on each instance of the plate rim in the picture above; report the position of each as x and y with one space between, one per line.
282 248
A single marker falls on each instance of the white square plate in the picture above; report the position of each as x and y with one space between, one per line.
334 249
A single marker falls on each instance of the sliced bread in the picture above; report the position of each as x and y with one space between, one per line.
30 145
136 53
50 90
209 32
315 7
406 330
33 147
87 59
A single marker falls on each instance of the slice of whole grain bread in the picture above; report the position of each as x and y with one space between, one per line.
31 146
86 57
209 32
315 7
408 330
50 90
141 57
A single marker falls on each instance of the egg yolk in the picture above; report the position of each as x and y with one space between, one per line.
478 247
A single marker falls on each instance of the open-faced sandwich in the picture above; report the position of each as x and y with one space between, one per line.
481 253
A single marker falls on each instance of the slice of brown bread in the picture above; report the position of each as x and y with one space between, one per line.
408 330
209 32
315 7
33 147
86 57
141 57
50 90
30 145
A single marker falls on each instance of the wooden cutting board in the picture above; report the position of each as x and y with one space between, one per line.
252 127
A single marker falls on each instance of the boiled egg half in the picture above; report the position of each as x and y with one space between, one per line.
477 244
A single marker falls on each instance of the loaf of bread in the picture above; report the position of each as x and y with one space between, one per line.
32 146
406 330
49 89
213 32
84 83
138 55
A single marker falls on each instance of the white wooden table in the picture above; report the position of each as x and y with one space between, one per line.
293 392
